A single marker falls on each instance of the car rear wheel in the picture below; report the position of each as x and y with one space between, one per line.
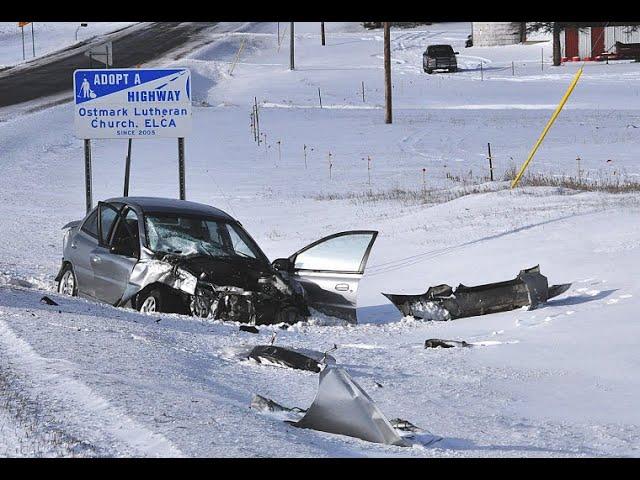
429 71
150 301
68 284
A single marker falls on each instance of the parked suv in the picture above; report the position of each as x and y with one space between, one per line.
439 57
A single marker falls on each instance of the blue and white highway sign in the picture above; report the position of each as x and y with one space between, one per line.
132 103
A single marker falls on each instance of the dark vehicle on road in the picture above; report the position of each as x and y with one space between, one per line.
439 57
167 255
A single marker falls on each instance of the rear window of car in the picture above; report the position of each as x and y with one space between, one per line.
90 225
440 50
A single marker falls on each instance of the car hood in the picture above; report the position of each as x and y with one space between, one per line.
224 271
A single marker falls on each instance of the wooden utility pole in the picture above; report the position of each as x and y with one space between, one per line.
322 32
387 73
292 65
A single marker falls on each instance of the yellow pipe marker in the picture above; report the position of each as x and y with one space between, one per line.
547 127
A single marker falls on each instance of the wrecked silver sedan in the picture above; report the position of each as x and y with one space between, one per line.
168 255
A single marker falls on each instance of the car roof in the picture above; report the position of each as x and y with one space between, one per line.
172 205
440 46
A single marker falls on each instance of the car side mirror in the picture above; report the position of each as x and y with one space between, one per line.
456 53
283 264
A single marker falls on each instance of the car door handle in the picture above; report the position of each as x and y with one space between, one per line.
342 287
96 259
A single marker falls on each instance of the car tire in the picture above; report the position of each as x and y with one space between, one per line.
429 71
68 283
150 301
453 70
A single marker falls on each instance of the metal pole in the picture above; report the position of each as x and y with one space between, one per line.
292 65
181 167
24 57
387 73
87 173
127 171
33 39
490 161
322 32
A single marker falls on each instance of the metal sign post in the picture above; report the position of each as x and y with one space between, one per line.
183 195
87 173
127 171
132 103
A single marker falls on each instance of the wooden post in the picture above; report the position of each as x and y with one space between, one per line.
330 165
127 171
279 153
490 162
424 180
255 100
292 65
305 156
322 33
513 69
387 73
87 173
183 195
320 97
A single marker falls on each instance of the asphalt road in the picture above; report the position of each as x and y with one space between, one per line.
131 49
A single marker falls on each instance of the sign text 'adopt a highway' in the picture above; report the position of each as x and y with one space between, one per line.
132 103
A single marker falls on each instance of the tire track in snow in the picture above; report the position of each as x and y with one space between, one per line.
94 418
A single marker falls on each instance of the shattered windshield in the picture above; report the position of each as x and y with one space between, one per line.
189 236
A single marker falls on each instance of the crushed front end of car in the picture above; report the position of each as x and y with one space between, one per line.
217 288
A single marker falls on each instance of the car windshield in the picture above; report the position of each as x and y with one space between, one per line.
196 236
442 50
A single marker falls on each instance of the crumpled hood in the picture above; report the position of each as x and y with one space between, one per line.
236 272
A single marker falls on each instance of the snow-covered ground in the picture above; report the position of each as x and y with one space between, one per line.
49 37
558 381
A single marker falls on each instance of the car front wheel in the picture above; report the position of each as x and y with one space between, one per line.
68 284
150 301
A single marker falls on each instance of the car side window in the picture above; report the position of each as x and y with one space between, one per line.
108 216
126 235
90 225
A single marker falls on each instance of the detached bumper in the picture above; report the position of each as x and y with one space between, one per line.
530 288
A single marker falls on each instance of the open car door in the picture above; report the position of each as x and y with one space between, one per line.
330 270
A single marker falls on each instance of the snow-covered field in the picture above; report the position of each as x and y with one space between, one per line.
558 381
49 37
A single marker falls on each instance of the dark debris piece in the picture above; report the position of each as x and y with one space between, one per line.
285 357
249 328
48 301
436 342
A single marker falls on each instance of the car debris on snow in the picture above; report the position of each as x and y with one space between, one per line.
529 289
342 407
48 301
298 359
248 328
438 343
